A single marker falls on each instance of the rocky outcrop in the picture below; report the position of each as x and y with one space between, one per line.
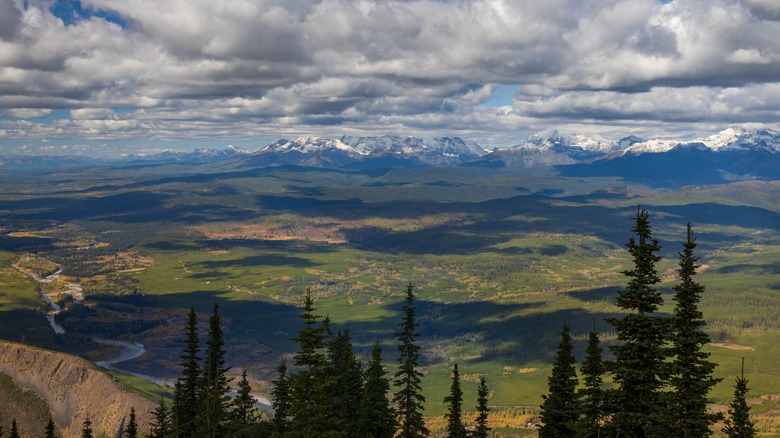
74 389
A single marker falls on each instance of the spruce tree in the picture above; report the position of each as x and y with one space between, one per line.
560 409
51 429
185 394
482 429
409 399
161 422
281 399
738 424
14 429
691 378
244 410
214 387
454 401
131 431
344 375
639 369
591 395
376 416
309 407
86 429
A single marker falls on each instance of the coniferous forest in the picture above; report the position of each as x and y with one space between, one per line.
654 382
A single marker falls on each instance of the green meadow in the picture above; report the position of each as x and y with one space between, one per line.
499 260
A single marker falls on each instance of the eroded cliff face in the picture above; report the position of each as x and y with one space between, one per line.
74 389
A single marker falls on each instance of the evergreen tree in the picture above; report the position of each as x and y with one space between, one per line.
639 369
51 430
454 400
244 410
185 393
738 424
14 429
591 394
308 387
409 399
376 416
692 371
560 408
482 428
131 431
281 399
161 423
344 376
214 382
86 429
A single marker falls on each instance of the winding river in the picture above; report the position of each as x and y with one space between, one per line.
129 350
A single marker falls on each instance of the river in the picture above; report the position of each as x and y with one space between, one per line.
129 350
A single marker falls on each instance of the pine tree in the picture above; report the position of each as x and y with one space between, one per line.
86 430
692 371
344 375
214 382
639 369
560 408
281 399
482 428
738 424
376 416
51 429
131 431
244 411
454 400
186 397
308 387
591 394
14 429
409 399
161 423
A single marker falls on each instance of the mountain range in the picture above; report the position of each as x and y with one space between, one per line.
732 154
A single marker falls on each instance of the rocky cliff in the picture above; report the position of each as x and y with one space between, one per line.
74 389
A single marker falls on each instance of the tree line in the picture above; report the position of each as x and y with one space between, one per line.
661 375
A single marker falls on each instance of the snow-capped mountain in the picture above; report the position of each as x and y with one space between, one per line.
200 155
360 152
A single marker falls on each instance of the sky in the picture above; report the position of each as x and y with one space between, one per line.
128 76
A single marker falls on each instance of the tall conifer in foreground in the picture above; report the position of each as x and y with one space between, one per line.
185 393
131 431
345 378
51 429
161 421
309 406
86 429
691 370
14 429
591 395
281 399
376 416
560 408
454 401
409 399
214 383
738 424
482 428
244 411
639 368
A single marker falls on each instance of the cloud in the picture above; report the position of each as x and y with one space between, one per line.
249 68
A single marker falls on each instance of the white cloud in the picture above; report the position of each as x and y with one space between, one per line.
28 113
248 68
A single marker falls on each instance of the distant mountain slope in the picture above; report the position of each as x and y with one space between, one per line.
73 388
367 152
730 155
